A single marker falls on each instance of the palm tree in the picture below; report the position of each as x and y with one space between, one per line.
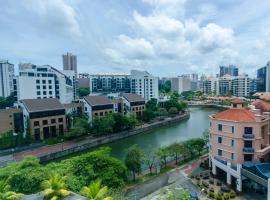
55 187
95 191
6 194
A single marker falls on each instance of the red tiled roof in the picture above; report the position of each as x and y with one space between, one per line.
237 100
236 114
261 105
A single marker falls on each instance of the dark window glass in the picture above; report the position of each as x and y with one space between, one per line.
36 123
60 120
219 139
248 130
219 152
45 122
220 127
53 121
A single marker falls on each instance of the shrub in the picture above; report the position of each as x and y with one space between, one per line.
232 194
211 194
226 196
218 196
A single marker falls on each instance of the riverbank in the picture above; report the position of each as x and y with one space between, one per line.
48 153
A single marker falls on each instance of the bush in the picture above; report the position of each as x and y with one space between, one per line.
226 196
232 194
211 194
218 196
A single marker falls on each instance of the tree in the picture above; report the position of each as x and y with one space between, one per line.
163 154
175 150
162 112
165 87
149 158
7 102
205 136
80 127
194 145
134 159
84 92
55 187
95 191
152 104
6 193
173 111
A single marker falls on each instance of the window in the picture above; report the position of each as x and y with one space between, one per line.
248 130
38 87
219 139
232 143
232 156
38 92
248 144
219 152
101 113
37 81
219 127
44 87
44 92
53 121
45 122
44 81
50 92
50 87
36 123
247 157
50 81
60 120
232 129
96 114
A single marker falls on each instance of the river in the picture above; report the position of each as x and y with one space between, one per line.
190 128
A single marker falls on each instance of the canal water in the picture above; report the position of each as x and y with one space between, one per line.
184 130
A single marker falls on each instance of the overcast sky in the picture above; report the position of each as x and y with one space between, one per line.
164 37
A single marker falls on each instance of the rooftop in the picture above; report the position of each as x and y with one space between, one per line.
35 105
132 97
262 105
236 114
97 100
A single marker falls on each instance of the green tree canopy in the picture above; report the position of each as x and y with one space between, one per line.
134 159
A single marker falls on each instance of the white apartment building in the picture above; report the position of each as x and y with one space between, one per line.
241 86
6 78
109 83
211 86
137 82
238 86
181 84
43 81
72 76
144 84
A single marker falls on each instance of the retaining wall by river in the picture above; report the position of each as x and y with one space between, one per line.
110 138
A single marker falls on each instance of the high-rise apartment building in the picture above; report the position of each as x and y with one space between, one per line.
137 82
109 83
144 84
228 70
181 84
43 81
70 62
228 85
6 78
241 86
263 78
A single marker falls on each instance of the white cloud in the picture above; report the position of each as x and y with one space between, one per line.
214 36
58 15
158 24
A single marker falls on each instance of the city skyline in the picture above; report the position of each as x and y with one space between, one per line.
123 35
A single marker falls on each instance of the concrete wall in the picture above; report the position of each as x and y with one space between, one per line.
110 138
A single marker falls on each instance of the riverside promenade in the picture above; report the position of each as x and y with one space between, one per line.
51 152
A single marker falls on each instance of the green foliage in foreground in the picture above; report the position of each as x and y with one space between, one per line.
26 176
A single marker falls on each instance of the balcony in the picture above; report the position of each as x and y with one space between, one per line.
248 136
224 162
248 150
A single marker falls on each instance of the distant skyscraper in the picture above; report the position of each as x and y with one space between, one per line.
6 78
263 78
229 70
70 62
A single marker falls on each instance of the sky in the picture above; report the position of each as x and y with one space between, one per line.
164 37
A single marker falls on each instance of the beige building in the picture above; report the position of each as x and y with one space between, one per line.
11 120
46 117
97 106
134 103
238 136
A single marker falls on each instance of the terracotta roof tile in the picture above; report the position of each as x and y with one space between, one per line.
264 106
35 105
97 100
236 114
